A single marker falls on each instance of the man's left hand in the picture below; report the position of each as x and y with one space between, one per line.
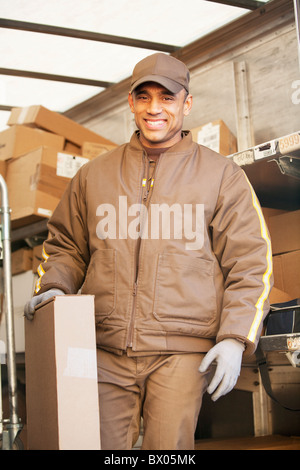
228 356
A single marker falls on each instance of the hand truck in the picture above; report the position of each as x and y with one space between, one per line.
11 427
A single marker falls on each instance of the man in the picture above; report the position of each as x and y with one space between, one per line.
170 238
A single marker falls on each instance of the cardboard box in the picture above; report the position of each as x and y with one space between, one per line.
36 182
18 140
285 232
61 376
3 168
93 149
72 148
271 212
39 116
21 260
216 136
278 296
286 269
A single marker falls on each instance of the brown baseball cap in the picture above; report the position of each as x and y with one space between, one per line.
161 68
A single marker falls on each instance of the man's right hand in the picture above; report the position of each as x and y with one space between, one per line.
38 299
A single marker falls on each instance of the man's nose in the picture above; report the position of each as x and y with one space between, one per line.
154 106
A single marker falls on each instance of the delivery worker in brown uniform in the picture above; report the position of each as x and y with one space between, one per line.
170 239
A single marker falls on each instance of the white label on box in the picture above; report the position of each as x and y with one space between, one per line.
81 363
210 137
44 212
68 165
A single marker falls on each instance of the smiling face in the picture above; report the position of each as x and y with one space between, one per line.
159 114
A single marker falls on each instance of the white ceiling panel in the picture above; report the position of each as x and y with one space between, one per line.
174 22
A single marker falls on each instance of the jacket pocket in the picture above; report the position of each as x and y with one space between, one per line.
100 281
184 290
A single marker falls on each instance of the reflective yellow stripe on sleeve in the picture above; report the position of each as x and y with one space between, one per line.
267 274
44 254
37 285
40 271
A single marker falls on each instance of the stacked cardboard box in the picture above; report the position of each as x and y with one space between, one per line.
26 259
216 136
43 118
284 228
21 260
17 140
36 182
39 153
93 149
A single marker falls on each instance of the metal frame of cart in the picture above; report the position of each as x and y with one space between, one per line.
9 427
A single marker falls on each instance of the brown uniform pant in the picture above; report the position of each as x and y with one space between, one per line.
166 390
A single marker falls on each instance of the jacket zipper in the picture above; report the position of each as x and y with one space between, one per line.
146 196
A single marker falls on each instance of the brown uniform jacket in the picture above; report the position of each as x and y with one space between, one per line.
175 263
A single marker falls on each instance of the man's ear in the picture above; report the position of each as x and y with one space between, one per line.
188 105
130 101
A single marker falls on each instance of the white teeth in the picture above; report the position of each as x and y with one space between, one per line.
155 123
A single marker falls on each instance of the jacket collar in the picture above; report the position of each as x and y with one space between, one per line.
181 147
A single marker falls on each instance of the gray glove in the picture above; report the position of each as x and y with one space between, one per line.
38 299
228 356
